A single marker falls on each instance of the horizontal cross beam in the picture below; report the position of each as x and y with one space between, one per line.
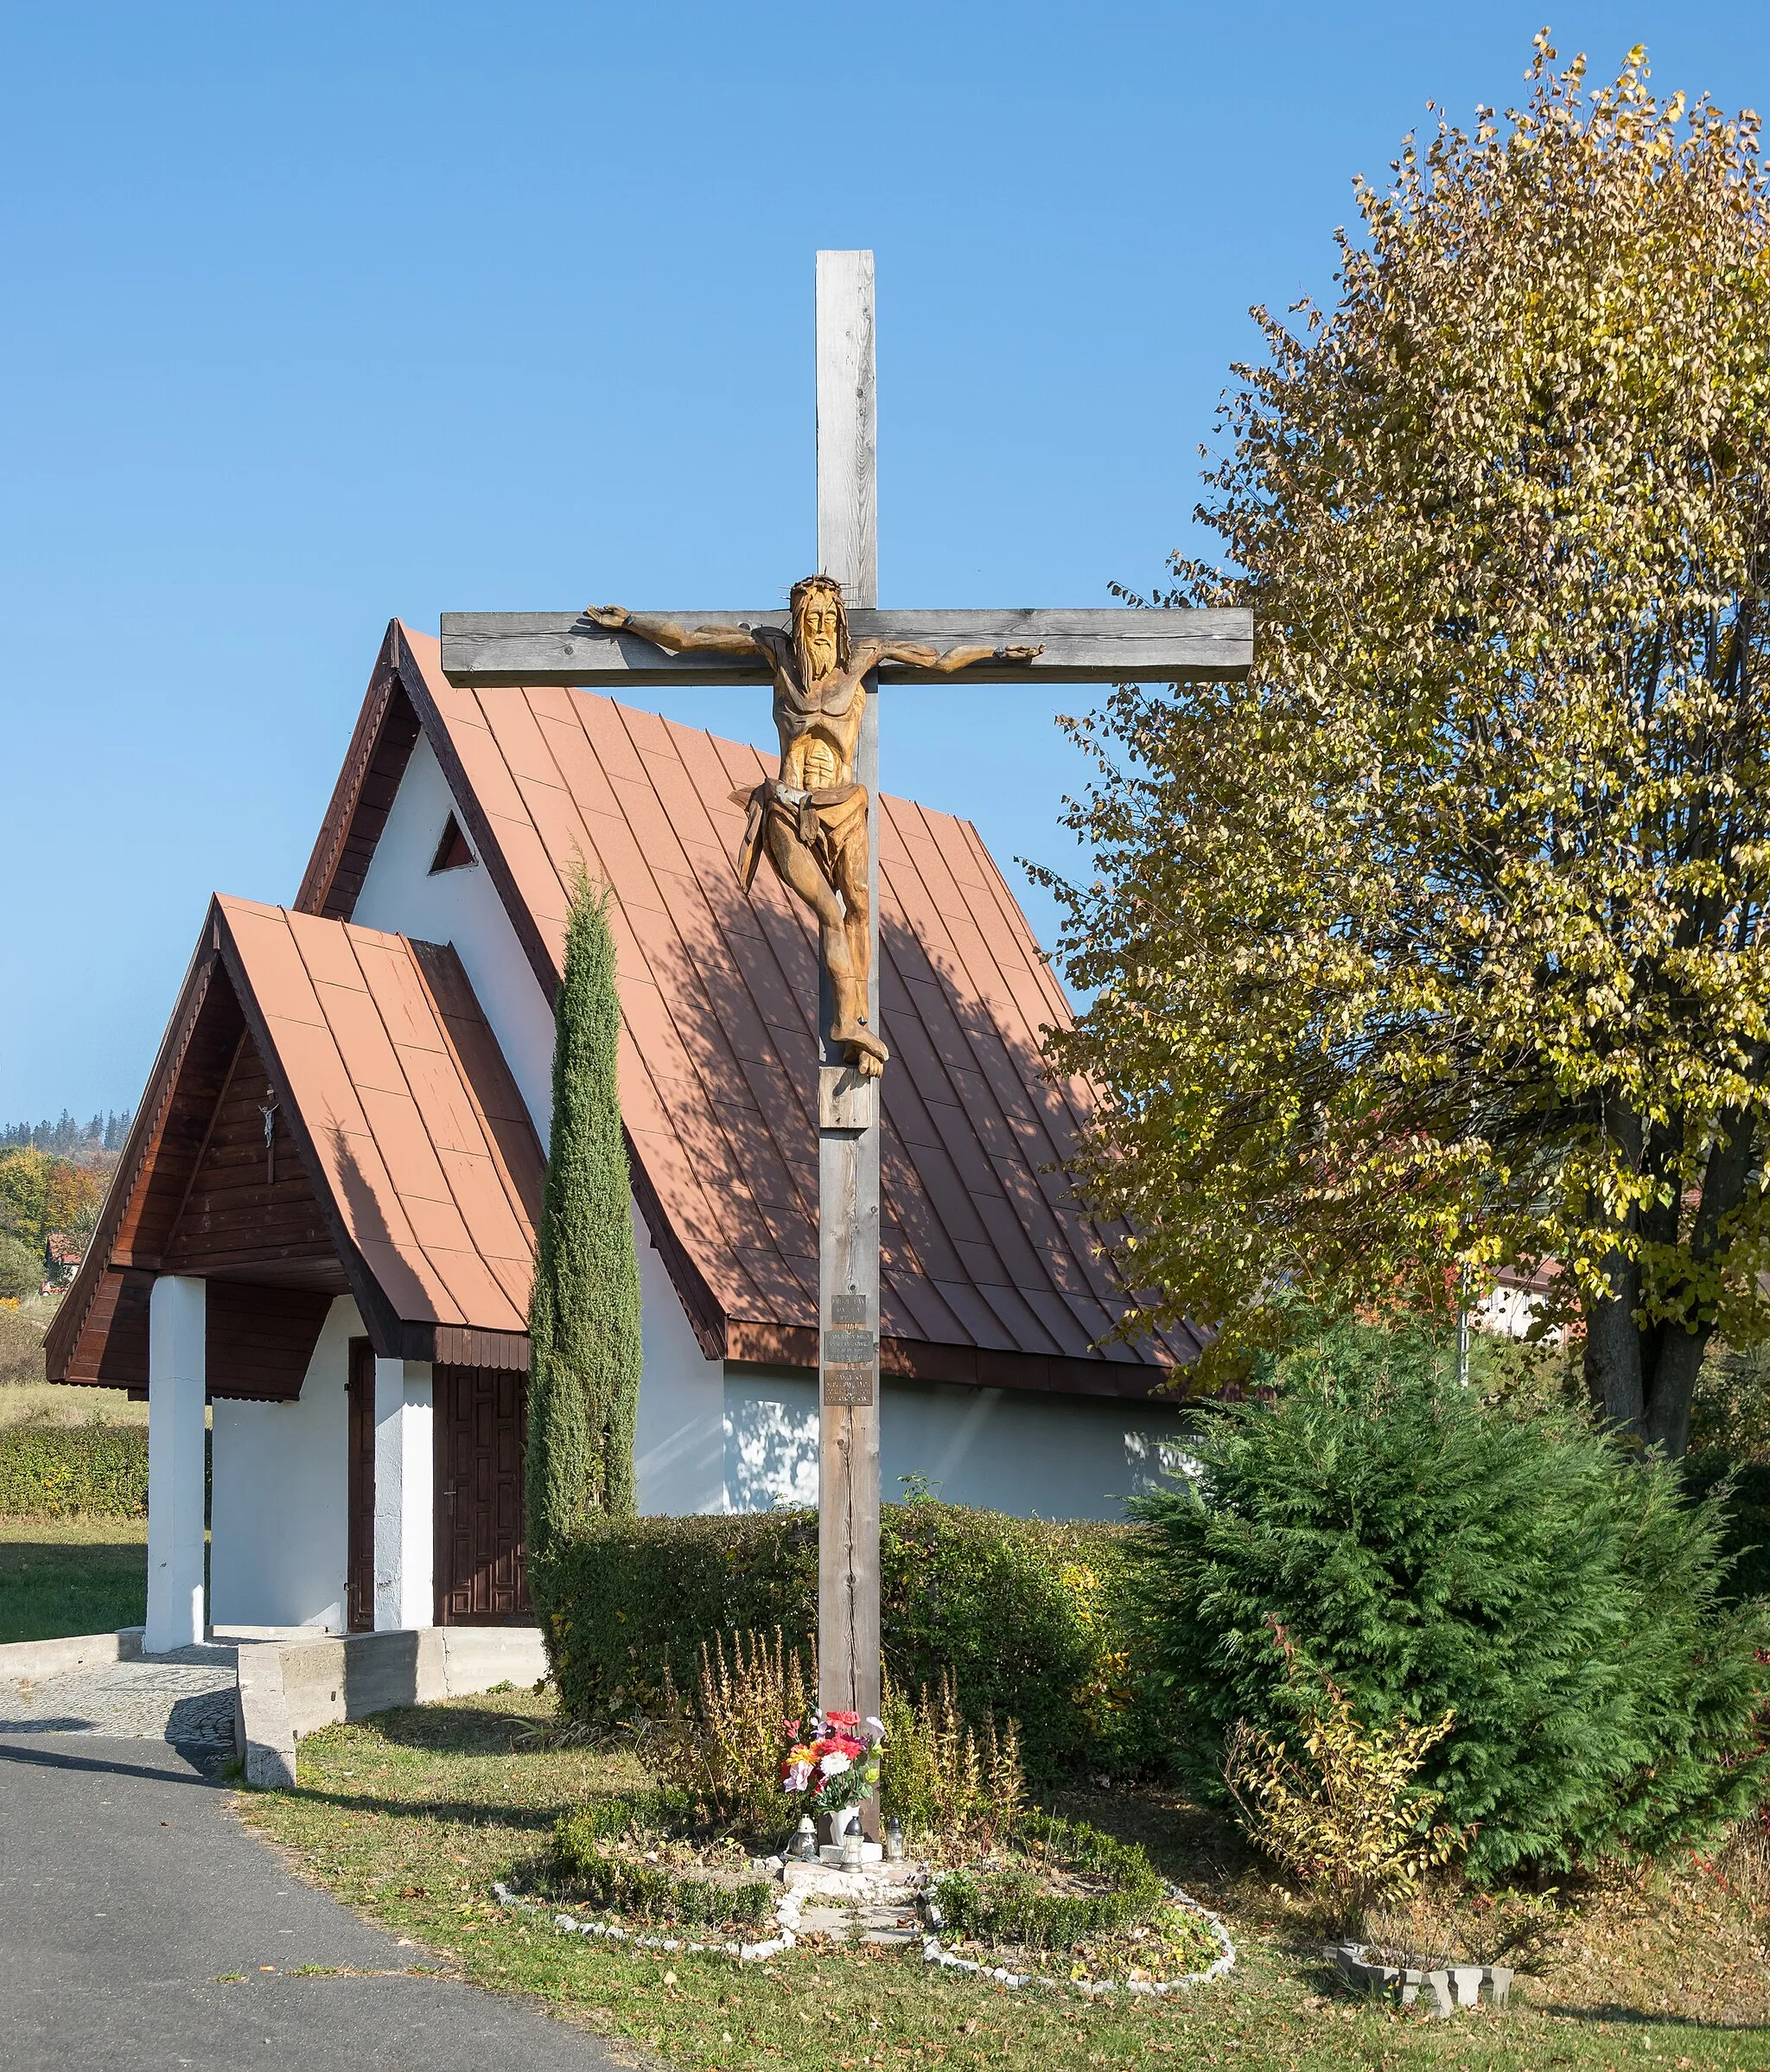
1112 647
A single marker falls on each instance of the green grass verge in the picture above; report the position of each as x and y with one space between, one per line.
71 1575
409 1817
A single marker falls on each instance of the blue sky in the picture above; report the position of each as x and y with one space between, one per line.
320 314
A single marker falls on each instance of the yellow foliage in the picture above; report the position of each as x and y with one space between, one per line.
1338 1804
941 1777
1441 944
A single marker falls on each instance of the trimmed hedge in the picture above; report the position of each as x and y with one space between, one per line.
1027 1615
70 1471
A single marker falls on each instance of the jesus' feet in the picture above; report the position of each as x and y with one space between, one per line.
865 1052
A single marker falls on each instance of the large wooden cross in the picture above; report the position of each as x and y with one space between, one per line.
488 648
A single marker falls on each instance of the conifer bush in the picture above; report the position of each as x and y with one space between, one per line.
584 1341
1564 1599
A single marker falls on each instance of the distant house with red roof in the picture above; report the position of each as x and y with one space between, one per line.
322 1219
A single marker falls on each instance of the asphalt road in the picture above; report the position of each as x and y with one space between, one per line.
127 1888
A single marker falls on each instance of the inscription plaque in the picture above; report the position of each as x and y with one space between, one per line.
848 1385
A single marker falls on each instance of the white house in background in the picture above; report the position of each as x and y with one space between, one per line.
322 1221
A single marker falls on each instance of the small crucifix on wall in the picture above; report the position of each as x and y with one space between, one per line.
267 1108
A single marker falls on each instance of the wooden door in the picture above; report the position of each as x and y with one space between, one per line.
359 1574
481 1427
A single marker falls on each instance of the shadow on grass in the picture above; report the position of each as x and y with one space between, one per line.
1183 1840
1635 2017
454 1730
466 1813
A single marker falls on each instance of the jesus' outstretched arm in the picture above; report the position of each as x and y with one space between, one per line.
944 662
671 637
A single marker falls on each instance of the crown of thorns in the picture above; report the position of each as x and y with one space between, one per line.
807 584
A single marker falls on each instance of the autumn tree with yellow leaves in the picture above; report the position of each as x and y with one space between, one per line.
1440 943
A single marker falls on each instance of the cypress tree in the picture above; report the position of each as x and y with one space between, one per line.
584 1311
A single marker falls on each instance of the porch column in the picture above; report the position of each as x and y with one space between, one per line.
177 1384
405 1482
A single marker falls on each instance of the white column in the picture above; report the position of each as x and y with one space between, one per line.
405 1482
177 1385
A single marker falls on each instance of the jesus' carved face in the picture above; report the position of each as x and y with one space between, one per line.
818 627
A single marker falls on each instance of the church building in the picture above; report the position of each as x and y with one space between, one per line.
319 1239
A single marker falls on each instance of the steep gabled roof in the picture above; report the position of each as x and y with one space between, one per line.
989 1273
400 1166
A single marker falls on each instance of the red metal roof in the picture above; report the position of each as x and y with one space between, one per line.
408 1171
989 1272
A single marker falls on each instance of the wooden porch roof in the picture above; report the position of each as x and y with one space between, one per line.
401 1165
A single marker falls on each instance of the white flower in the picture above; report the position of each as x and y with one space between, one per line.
834 1763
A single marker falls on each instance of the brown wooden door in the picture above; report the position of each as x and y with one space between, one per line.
481 1427
359 1574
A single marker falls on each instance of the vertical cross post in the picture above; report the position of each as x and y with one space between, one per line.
847 1107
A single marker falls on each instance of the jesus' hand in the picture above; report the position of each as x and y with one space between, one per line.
1017 654
613 616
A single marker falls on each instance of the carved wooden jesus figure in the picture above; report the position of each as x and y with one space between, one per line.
812 818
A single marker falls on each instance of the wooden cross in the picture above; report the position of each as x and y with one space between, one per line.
488 648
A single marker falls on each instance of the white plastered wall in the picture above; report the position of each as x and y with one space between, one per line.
679 1443
278 1529
1002 1450
405 1496
460 907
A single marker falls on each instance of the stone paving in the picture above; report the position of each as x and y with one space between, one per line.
186 1697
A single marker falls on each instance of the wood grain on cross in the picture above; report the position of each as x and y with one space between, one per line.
1103 647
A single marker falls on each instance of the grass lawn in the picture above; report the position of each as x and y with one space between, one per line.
409 1817
71 1575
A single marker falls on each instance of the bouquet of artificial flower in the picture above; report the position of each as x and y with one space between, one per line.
834 1761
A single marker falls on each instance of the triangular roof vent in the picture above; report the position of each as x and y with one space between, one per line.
452 852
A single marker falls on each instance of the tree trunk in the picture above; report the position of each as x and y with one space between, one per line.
1667 1420
1641 1381
1614 1352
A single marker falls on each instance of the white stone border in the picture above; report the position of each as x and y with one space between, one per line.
1093 1988
787 1910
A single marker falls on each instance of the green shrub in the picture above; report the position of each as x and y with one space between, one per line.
1008 1905
21 1346
604 1880
1742 1489
70 1471
20 1267
1029 1617
629 1816
1434 1553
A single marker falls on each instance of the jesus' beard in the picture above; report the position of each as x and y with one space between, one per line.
816 659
